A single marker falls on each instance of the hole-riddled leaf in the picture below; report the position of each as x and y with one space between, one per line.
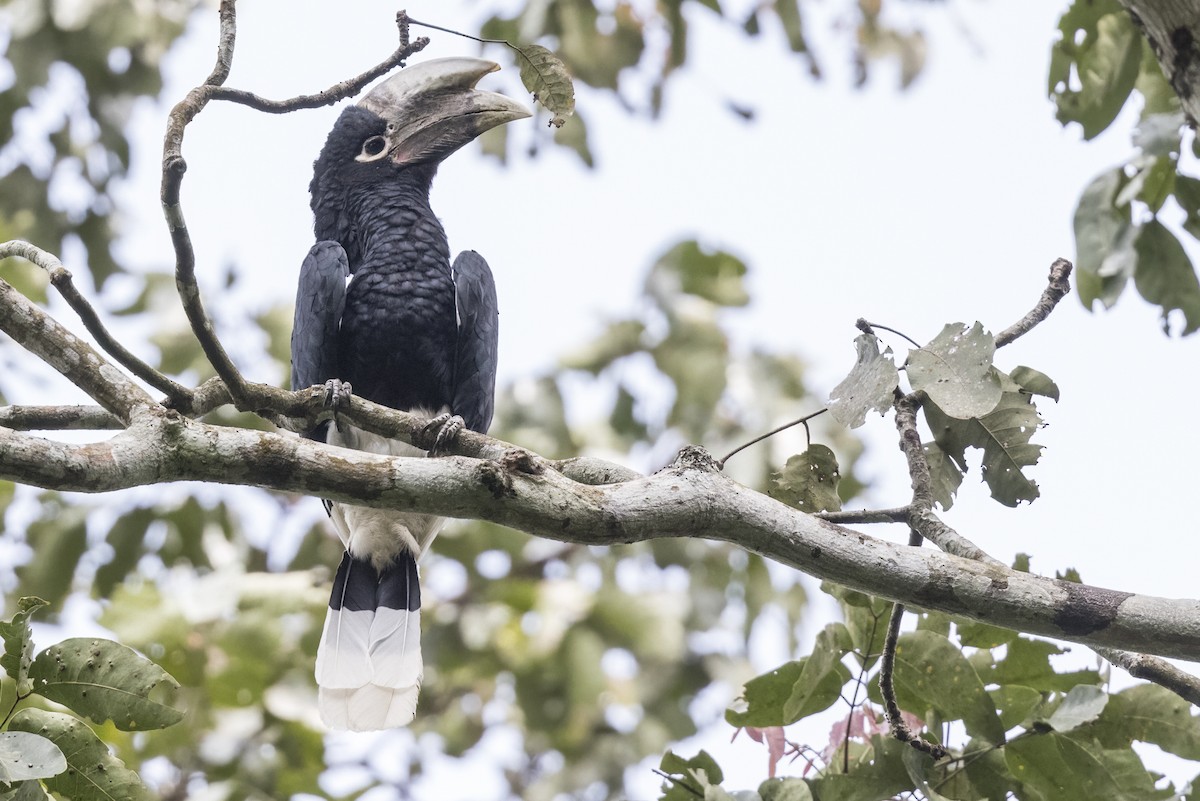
1004 437
869 385
18 644
25 756
955 370
546 77
946 475
92 772
1106 60
104 680
809 481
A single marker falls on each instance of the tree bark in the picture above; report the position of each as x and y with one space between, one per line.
1173 29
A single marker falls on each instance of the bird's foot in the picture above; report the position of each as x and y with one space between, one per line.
337 397
443 430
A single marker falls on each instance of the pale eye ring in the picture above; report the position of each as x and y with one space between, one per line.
373 148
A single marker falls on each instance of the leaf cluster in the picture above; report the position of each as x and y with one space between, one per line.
42 750
1016 727
1100 61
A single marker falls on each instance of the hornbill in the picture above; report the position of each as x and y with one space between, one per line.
409 330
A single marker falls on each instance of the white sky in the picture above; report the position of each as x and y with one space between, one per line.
945 203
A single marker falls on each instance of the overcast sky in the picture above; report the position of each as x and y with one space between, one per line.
944 203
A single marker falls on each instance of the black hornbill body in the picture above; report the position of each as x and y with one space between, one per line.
411 331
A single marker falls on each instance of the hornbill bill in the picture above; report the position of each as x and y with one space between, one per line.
411 331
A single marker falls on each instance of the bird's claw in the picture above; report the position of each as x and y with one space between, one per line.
337 395
443 430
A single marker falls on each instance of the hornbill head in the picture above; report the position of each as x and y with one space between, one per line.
405 126
432 109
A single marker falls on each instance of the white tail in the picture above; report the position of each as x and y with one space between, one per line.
369 659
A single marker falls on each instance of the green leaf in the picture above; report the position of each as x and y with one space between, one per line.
987 771
1104 236
92 772
18 644
1053 767
1027 662
690 777
1081 705
1152 714
1106 63
1165 275
618 340
875 772
1004 437
768 696
58 540
947 476
789 789
921 770
1016 704
574 136
1187 194
869 385
104 680
1035 382
126 538
955 370
717 276
546 77
809 481
932 674
25 756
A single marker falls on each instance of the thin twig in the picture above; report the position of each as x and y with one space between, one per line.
39 333
63 281
59 418
721 462
1154 669
1058 288
898 514
243 394
868 328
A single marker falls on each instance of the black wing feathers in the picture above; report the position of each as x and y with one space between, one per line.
320 300
478 331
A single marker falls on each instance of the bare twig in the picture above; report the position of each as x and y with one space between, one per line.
46 338
862 324
1159 671
1058 287
802 421
59 418
244 395
62 280
898 514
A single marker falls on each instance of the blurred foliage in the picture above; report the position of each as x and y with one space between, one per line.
586 659
634 49
1100 63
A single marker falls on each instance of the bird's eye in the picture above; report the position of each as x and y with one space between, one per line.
373 148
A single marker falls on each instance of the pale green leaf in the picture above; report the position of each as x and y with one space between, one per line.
809 481
868 387
944 473
25 756
546 77
1165 275
18 643
1104 237
955 371
1081 705
789 789
1035 382
1106 64
92 772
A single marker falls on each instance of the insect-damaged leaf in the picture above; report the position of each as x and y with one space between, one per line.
546 77
18 643
92 771
809 481
1003 435
24 756
104 680
869 385
955 370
